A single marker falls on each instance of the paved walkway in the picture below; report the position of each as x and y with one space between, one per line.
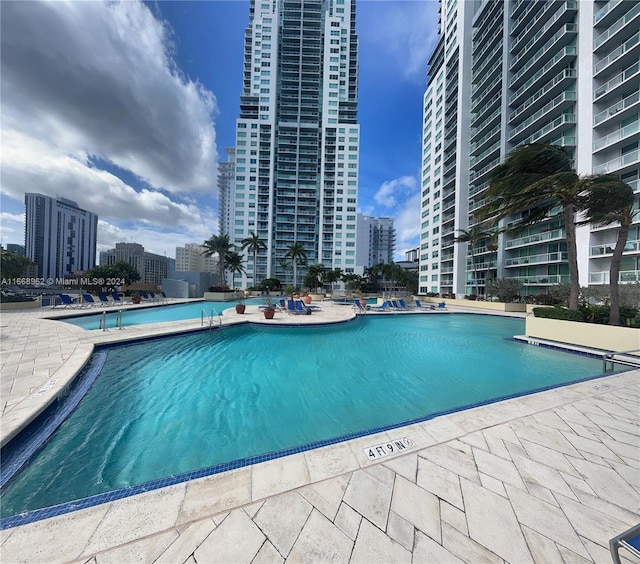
549 477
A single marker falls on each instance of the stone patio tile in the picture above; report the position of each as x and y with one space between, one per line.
220 517
188 541
330 461
608 485
610 509
493 524
281 518
569 556
427 550
549 438
499 468
546 519
417 506
453 460
533 472
237 539
137 516
400 530
440 482
454 517
492 484
543 550
576 485
321 541
465 548
613 423
547 457
502 432
216 493
253 508
496 446
40 541
381 473
629 473
326 496
551 419
591 446
348 521
267 555
406 466
277 476
624 450
372 545
143 550
369 497
590 523
442 429
476 440
623 437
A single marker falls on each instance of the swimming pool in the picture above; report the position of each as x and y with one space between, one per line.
179 404
157 314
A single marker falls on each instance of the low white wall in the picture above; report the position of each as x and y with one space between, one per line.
604 337
11 306
493 306
219 296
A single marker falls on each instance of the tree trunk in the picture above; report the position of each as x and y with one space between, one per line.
614 273
475 272
572 255
255 261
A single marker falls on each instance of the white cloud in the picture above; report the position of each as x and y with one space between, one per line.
97 79
404 30
394 190
407 224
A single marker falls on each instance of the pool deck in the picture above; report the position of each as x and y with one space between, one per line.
549 477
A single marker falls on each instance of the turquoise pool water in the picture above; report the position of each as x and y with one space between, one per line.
159 314
178 404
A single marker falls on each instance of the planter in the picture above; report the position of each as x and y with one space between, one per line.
136 299
269 313
240 308
219 296
307 299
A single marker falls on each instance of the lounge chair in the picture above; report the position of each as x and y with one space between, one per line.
104 300
404 305
359 308
293 309
116 298
301 307
629 540
89 301
386 306
67 301
442 305
420 306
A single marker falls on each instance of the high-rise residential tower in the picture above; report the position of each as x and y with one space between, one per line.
557 72
297 137
376 241
60 237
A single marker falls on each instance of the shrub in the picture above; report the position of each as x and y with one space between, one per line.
558 313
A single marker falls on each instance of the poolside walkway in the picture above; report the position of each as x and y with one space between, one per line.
549 477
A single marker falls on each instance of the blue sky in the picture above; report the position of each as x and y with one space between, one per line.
126 107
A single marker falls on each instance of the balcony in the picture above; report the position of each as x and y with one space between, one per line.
561 58
543 280
607 249
549 129
553 235
617 136
615 109
625 276
562 102
610 33
557 84
616 55
538 26
537 259
620 79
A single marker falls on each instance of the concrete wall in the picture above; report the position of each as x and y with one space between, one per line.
592 335
175 288
493 306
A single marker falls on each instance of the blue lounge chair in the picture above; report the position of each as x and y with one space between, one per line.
630 540
89 301
104 300
420 306
301 307
116 298
404 305
67 301
442 305
386 306
359 307
292 308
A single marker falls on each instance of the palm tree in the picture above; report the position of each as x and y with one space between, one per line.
332 276
610 200
233 262
474 236
296 253
352 281
538 178
220 245
254 245
315 276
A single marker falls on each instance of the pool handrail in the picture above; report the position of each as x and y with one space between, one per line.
214 314
609 360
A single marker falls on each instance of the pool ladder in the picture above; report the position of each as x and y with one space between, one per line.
103 320
210 317
624 357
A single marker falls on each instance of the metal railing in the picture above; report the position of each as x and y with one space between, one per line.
210 317
609 360
103 320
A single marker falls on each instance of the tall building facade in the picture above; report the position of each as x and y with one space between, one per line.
190 258
60 237
152 267
376 240
558 72
226 178
297 137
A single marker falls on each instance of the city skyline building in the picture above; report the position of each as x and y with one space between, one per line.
60 237
376 240
563 73
152 267
297 137
190 258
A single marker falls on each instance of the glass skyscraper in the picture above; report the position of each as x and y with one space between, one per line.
297 136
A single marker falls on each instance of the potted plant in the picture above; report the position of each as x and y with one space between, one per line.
136 298
240 306
269 311
358 294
